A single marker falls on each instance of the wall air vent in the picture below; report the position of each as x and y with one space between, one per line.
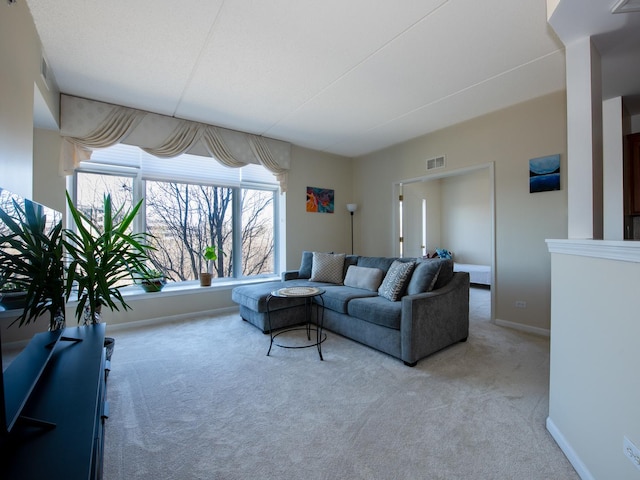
626 6
44 71
436 162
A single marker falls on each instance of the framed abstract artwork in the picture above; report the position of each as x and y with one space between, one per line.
320 200
544 174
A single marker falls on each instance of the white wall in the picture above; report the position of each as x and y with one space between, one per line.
509 138
466 217
325 232
20 55
594 387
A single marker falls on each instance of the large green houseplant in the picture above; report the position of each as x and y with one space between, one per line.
102 257
31 261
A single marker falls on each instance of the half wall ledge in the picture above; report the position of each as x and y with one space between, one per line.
622 250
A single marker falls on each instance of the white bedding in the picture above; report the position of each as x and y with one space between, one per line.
480 274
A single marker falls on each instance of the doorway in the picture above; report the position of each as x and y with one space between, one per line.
430 213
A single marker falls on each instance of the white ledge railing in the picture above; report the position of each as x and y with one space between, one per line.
622 250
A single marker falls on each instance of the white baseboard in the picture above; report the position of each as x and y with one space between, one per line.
568 451
114 327
525 328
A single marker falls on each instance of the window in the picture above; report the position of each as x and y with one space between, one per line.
190 202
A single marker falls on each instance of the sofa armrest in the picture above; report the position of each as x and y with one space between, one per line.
289 275
434 320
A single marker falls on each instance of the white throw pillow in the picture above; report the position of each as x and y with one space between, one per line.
327 267
363 277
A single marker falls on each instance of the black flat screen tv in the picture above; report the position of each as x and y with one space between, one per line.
18 380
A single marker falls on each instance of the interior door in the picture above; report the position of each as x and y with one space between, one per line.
414 221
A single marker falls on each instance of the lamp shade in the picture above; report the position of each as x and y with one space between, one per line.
352 207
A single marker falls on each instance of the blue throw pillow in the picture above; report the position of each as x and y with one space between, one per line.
305 265
424 276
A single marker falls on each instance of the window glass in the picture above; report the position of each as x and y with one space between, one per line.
257 232
92 187
184 219
187 211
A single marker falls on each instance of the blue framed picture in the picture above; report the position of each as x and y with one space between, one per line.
544 174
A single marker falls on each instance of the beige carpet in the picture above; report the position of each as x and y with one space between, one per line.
201 400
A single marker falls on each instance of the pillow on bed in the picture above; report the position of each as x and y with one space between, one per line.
363 277
327 267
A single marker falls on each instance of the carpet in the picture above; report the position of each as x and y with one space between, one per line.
201 400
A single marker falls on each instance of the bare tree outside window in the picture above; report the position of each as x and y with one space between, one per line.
257 232
92 188
185 218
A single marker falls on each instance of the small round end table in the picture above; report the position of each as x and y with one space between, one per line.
308 293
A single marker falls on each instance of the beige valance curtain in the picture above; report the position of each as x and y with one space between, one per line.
88 124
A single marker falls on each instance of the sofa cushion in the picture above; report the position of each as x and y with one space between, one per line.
383 263
255 296
363 277
348 261
305 265
424 277
327 267
396 279
377 310
338 297
445 274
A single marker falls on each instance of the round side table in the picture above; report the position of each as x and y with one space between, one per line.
308 294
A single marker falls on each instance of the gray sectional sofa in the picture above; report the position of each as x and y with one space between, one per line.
408 308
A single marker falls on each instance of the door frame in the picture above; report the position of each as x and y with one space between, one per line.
397 188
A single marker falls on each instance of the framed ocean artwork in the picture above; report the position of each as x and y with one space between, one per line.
544 174
320 200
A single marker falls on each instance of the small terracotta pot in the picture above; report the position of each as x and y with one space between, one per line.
205 279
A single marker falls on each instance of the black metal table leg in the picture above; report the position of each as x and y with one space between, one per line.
269 297
319 325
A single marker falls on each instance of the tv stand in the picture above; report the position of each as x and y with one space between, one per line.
57 429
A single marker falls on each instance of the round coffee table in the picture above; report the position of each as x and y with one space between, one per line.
308 294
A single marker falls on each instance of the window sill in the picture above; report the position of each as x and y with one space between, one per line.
134 292
191 288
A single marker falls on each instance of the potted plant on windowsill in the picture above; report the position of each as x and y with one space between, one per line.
210 255
12 296
103 255
150 280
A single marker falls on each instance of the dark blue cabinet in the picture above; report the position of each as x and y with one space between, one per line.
58 431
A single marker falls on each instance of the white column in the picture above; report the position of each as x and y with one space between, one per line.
584 140
612 175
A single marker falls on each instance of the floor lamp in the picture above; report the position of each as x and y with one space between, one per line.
352 207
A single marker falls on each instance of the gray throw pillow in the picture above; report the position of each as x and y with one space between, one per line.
327 267
445 274
305 265
395 281
363 277
424 277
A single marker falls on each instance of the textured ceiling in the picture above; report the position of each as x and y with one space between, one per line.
337 76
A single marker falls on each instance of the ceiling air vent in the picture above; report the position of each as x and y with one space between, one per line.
626 6
437 162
